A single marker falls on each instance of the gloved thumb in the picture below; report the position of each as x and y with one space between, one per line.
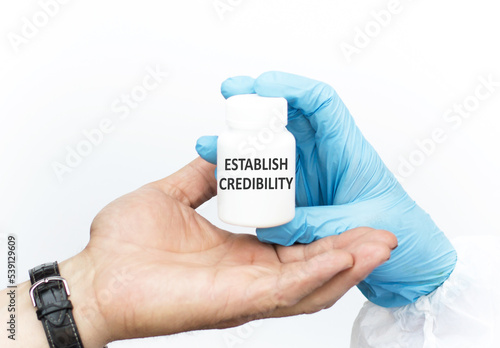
312 223
206 146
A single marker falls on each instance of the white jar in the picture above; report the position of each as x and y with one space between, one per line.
256 163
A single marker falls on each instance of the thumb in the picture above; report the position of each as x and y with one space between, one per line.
312 223
206 146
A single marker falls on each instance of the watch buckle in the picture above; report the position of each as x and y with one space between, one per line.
45 281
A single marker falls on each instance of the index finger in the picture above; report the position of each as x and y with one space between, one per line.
316 100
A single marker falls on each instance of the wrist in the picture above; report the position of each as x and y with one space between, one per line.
79 273
29 332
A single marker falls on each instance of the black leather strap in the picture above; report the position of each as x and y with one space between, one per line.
54 308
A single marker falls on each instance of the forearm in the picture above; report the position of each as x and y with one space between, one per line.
28 329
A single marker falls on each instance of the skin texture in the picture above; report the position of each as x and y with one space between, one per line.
154 266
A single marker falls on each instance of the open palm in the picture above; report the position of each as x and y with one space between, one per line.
161 268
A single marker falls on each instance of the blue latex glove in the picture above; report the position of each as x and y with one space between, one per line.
341 183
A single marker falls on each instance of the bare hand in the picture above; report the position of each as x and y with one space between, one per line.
154 266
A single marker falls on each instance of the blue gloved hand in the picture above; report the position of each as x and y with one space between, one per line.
341 183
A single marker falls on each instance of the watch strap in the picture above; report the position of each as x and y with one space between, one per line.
50 295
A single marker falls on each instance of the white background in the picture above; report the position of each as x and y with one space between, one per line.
65 78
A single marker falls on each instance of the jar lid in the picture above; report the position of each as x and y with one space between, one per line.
250 111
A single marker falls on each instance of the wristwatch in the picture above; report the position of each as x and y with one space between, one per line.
49 293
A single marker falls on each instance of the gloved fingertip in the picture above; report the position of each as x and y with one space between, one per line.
206 146
237 85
